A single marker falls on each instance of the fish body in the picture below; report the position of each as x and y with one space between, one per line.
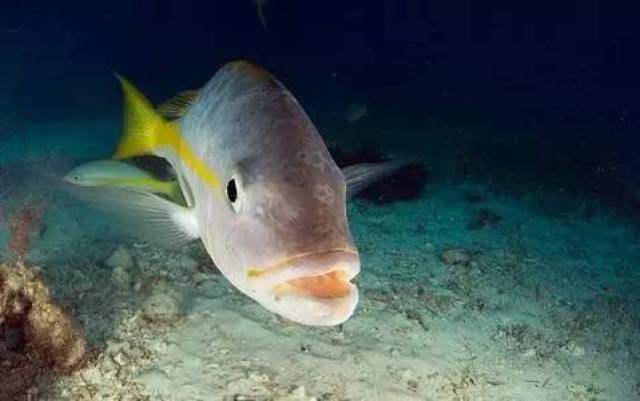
260 11
117 174
356 111
264 195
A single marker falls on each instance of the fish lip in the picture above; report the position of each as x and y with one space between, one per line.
307 308
312 264
314 311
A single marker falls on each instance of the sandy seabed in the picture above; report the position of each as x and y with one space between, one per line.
531 306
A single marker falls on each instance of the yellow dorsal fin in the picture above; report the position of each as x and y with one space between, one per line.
142 125
178 105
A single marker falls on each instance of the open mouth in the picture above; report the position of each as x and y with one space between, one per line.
323 275
311 288
334 284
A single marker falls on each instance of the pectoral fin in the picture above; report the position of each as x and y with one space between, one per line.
360 176
144 213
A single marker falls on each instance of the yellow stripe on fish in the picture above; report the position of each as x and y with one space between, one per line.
145 132
168 188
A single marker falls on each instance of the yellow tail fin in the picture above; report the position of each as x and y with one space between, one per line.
142 125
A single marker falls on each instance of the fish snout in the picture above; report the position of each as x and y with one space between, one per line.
71 177
313 288
322 275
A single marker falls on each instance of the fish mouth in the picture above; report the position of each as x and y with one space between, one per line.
311 271
313 288
333 284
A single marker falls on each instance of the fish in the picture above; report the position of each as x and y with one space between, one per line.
260 11
361 175
113 173
178 105
356 111
262 192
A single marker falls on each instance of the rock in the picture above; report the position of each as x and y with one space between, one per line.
574 349
49 331
122 268
456 257
121 277
121 257
483 218
153 378
406 374
297 394
186 263
530 353
163 305
55 336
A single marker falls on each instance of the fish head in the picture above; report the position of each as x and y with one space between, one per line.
72 177
80 175
281 234
289 229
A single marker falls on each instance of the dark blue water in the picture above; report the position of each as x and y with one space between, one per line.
547 91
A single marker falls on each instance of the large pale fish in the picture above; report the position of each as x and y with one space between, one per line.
263 193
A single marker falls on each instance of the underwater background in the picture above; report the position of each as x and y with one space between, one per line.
502 263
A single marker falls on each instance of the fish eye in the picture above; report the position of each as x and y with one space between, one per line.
232 191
